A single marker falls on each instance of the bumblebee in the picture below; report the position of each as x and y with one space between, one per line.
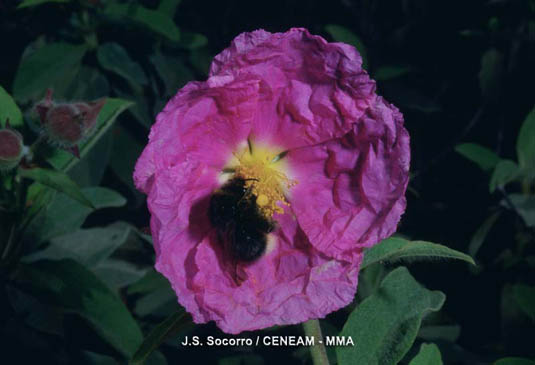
240 224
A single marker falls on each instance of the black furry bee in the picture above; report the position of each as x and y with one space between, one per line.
235 214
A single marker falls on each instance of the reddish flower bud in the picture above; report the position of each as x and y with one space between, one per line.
68 123
11 148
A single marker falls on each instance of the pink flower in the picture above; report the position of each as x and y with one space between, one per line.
327 161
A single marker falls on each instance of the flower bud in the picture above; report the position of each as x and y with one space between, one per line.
66 124
11 149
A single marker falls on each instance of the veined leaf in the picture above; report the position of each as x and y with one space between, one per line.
395 249
58 181
384 326
155 338
71 287
53 65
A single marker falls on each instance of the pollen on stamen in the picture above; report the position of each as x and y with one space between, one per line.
263 177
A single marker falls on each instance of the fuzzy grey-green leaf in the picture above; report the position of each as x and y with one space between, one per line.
384 325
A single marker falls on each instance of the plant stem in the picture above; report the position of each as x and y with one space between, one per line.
318 352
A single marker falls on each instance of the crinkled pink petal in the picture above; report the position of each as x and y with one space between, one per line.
310 90
357 183
292 283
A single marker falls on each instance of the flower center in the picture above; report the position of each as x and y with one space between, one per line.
263 171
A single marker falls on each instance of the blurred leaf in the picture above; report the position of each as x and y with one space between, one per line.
173 73
126 151
70 286
91 168
58 181
429 355
479 237
158 335
344 35
490 74
65 215
113 57
118 274
140 109
31 3
154 20
89 84
151 281
9 110
200 59
514 361
92 358
51 66
168 7
444 332
504 172
390 72
192 40
525 205
525 297
159 303
62 160
370 279
395 249
482 156
87 246
384 325
525 144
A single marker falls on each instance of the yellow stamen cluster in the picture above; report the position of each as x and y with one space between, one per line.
261 170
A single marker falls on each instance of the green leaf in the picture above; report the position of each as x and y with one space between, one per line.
89 84
31 3
395 249
168 7
51 66
113 57
525 205
192 40
504 172
172 71
89 247
384 326
390 72
154 20
429 355
62 160
152 280
65 215
482 156
9 110
514 361
525 297
126 150
448 333
58 181
118 274
525 143
479 237
71 287
158 335
490 74
342 34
